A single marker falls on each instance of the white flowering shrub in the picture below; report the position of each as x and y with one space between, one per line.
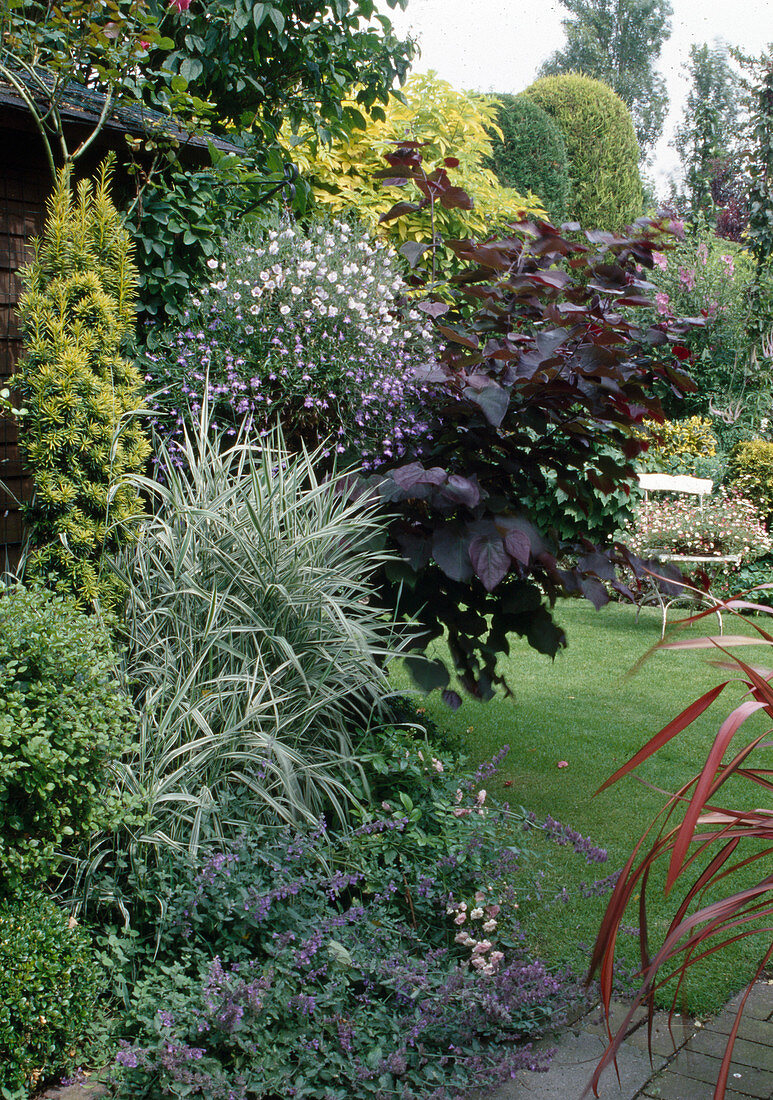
726 523
314 327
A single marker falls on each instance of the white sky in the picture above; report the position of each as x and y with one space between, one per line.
498 45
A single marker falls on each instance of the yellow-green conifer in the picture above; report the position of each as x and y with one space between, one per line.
80 438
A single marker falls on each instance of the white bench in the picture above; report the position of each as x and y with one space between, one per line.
695 486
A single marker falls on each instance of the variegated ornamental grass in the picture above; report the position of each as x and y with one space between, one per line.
254 642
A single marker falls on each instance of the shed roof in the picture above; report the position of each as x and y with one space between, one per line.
82 105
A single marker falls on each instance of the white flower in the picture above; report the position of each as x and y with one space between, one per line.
211 263
476 914
284 310
489 925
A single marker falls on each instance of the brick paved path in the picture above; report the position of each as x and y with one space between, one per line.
684 1066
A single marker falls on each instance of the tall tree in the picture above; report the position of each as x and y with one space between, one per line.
707 138
619 42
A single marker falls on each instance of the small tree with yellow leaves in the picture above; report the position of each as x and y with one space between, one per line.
79 437
344 174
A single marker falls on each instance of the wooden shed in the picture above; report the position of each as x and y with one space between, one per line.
25 182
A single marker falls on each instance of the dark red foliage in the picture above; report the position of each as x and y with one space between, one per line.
544 367
706 850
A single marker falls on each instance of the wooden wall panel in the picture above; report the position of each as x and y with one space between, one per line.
24 185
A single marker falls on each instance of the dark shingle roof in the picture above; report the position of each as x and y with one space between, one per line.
79 104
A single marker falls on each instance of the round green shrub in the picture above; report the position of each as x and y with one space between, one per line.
63 720
601 145
750 470
49 981
531 154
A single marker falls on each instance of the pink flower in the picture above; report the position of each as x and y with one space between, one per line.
496 957
478 962
687 277
703 254
660 260
563 763
489 925
482 947
729 264
661 301
180 5
460 918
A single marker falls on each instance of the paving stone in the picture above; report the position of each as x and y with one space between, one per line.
759 1005
675 1087
90 1090
756 1031
757 1055
572 1068
595 1022
702 1067
665 1041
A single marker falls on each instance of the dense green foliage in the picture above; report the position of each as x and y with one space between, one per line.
80 437
713 280
619 43
601 146
49 982
383 961
530 154
177 223
750 469
709 131
64 721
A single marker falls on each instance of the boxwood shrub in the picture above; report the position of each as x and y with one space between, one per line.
49 980
63 719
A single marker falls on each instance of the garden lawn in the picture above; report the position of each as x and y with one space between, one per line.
588 710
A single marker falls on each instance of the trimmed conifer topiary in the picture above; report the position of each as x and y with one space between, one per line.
601 145
79 437
531 153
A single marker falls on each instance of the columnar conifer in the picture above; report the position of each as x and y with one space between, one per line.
79 439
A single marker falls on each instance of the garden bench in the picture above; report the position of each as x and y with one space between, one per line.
695 486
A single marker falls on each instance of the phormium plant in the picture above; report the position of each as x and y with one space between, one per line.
709 841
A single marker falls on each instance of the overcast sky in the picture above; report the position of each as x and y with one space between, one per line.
498 45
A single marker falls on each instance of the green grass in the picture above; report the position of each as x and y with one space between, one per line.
586 708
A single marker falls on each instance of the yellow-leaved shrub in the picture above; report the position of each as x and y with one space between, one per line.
674 439
453 124
750 469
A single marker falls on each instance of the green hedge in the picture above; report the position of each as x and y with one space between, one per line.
49 981
601 145
531 154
